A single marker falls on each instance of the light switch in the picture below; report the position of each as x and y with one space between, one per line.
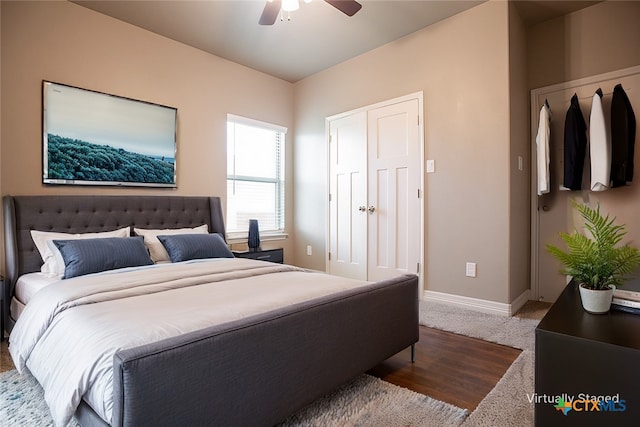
431 166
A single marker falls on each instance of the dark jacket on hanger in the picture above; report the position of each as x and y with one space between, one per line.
623 134
575 145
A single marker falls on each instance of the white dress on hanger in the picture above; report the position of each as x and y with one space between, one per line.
542 149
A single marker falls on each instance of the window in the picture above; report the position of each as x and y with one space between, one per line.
255 176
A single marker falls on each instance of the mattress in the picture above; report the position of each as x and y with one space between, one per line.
26 287
29 284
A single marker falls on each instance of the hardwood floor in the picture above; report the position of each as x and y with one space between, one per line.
448 367
6 364
453 368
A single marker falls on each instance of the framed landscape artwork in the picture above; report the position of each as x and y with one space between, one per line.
93 138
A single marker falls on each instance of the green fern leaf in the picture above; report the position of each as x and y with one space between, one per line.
596 261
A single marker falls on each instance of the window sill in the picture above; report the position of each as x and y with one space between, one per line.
236 238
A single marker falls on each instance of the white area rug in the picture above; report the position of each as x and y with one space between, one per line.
22 402
368 401
509 331
365 401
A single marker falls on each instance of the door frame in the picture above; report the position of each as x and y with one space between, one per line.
537 95
419 96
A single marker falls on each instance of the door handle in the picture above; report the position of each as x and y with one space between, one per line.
372 209
362 208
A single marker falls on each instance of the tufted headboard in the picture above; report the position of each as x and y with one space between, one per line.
87 214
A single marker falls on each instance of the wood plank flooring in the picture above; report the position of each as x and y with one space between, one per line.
6 364
453 368
448 367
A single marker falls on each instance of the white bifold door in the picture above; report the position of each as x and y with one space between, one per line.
375 191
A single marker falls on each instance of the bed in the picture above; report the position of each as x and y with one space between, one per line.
253 369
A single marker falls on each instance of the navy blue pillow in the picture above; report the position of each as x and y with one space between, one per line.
85 256
183 247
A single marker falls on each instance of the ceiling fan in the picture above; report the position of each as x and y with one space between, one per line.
273 8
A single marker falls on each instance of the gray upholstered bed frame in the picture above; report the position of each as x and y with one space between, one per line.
254 371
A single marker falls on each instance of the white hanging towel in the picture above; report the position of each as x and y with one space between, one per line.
542 149
600 146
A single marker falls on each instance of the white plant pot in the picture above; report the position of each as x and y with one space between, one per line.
596 301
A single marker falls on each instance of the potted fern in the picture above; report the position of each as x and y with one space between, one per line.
597 263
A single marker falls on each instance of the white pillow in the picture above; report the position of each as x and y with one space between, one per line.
156 250
53 264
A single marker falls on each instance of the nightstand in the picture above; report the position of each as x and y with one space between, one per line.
271 255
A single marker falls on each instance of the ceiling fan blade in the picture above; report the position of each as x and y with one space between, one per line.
348 7
270 12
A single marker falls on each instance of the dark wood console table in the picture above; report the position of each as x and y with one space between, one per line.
580 353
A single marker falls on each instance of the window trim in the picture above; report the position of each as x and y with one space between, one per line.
255 123
240 236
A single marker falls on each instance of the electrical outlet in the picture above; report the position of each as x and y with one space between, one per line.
471 269
309 250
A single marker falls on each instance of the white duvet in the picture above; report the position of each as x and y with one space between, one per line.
69 332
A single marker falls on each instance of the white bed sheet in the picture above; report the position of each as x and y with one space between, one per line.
70 330
29 284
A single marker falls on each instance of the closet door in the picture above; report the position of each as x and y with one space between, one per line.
375 209
394 190
348 196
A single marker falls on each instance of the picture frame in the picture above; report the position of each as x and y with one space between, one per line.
95 138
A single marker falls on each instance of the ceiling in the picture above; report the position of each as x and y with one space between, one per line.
317 37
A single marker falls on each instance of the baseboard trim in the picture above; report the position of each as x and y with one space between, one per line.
520 301
485 306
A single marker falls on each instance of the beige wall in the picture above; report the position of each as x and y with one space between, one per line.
67 43
591 41
519 196
461 64
474 69
596 40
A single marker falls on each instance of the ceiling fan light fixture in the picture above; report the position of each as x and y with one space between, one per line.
273 8
290 5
